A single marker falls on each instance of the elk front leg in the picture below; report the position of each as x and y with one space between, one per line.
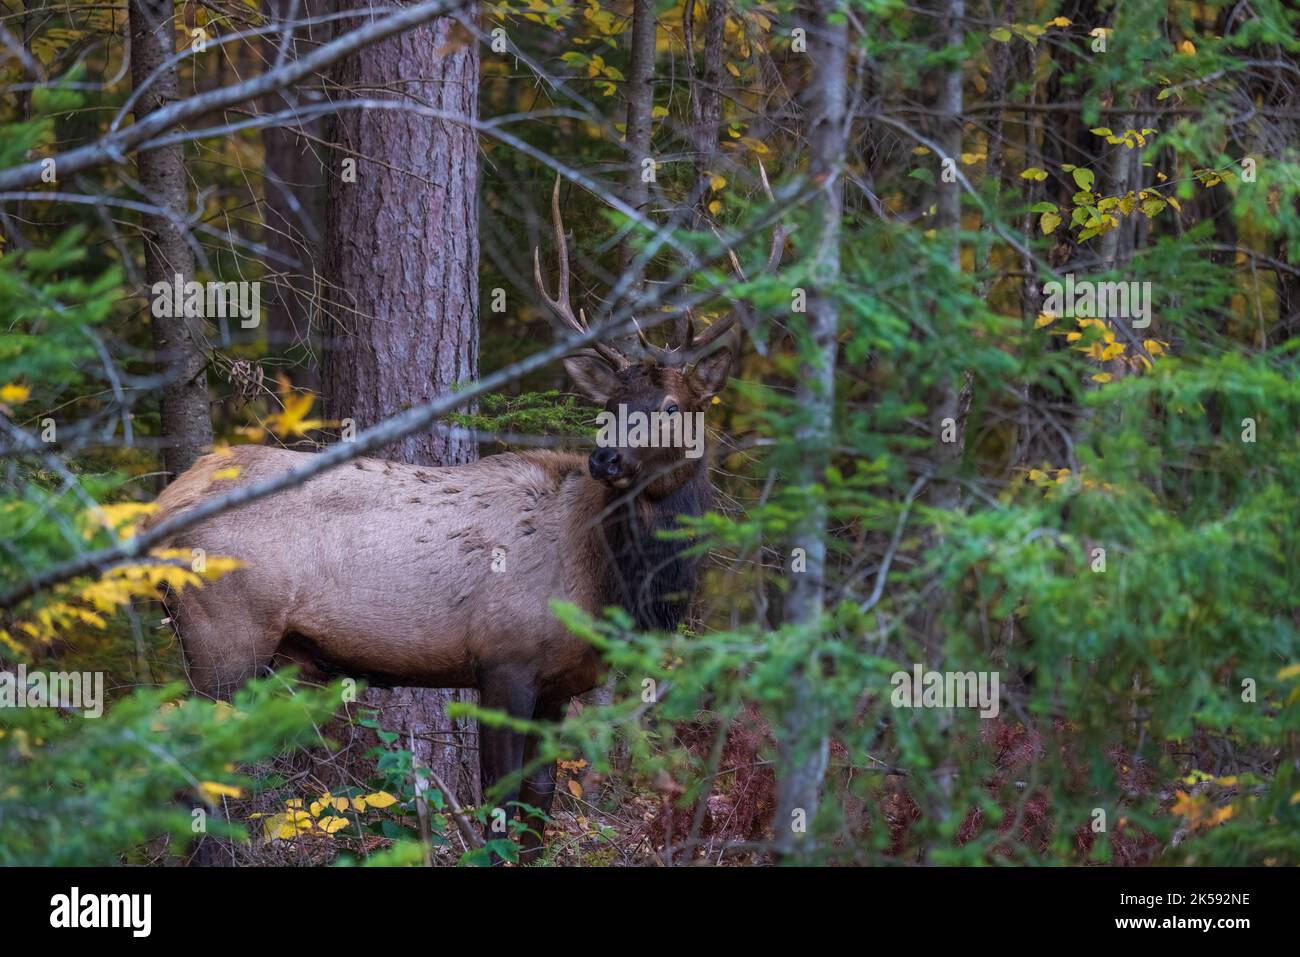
501 750
538 789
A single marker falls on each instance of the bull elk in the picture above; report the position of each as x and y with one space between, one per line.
384 571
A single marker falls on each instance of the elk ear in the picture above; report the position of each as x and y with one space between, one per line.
593 377
711 372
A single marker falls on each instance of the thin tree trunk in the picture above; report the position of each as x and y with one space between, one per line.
294 180
636 193
805 746
640 107
705 98
178 342
952 400
402 252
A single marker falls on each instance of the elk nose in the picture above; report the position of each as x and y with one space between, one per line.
603 464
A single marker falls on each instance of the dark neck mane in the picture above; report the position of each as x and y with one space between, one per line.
647 576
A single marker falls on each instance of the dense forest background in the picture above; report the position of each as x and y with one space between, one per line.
920 460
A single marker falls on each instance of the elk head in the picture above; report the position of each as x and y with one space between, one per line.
661 393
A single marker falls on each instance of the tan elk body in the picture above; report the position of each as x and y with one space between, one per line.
400 574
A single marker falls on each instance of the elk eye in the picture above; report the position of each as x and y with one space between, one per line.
672 409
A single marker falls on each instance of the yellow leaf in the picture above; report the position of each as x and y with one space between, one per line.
119 517
716 182
715 207
359 804
331 824
14 393
1184 806
1290 671
1187 47
230 473
1044 319
380 799
1102 377
575 788
1060 22
214 789
273 827
733 69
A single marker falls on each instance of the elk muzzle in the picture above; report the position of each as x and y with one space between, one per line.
614 467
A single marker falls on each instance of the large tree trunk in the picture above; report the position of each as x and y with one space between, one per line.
178 342
402 255
804 744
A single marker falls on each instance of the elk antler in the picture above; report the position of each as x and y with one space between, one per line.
560 305
685 343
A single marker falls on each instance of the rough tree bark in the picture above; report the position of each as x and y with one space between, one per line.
402 253
804 746
178 342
